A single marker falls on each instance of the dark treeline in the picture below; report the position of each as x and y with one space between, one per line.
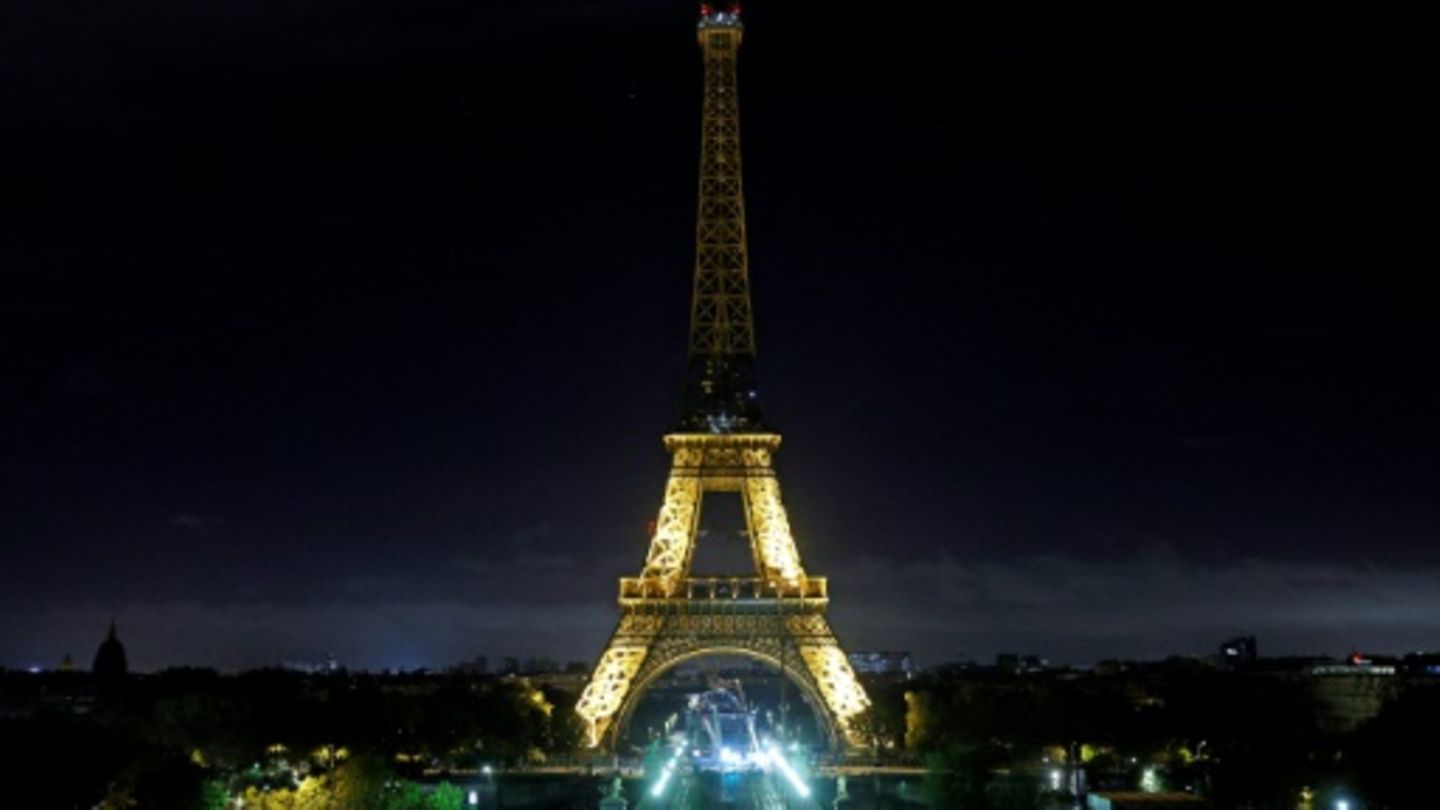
990 741
1241 740
190 738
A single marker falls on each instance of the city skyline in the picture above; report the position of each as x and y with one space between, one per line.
356 333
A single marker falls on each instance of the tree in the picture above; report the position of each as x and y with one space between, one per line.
213 796
957 776
360 784
1016 791
445 797
408 796
1393 766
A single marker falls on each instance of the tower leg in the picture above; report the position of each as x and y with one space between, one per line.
844 697
674 542
773 545
614 675
668 615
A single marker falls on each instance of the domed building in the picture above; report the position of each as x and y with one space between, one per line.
111 666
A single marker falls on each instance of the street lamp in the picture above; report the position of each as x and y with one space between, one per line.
487 789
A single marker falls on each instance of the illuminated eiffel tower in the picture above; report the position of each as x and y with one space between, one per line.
668 615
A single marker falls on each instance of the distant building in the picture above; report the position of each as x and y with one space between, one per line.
1350 694
479 665
1144 801
1020 664
67 664
568 681
111 668
1238 654
1290 664
883 663
540 666
1422 663
328 665
110 659
1109 667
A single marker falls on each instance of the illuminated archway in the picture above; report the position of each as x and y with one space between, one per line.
793 670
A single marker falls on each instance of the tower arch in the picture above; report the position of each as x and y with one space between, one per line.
666 657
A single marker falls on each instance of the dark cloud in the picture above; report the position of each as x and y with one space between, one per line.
1071 611
1082 339
377 635
190 523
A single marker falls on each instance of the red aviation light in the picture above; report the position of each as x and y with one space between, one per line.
706 10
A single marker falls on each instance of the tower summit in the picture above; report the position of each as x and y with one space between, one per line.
670 613
720 391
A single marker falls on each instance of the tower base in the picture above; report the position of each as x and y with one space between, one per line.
669 616
658 635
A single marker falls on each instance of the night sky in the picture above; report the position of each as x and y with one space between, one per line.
1093 331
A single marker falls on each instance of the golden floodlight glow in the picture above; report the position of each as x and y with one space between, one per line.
667 614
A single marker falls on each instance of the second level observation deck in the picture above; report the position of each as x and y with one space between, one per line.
725 593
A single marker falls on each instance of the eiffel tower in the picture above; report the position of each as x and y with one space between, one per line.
669 614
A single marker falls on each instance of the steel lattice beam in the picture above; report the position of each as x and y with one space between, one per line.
668 616
720 392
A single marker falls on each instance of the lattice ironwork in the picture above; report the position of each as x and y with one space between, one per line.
722 463
798 641
720 394
720 319
667 615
